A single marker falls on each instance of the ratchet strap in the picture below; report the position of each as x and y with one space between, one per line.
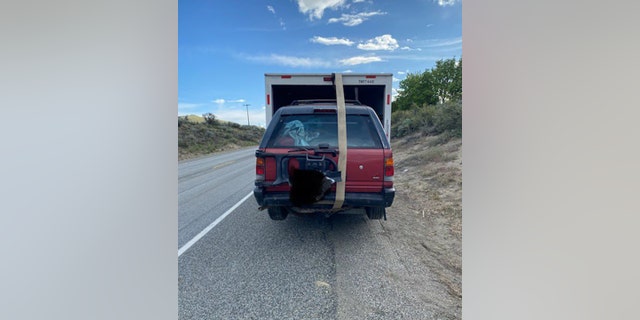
342 142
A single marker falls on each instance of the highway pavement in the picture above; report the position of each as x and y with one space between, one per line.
247 266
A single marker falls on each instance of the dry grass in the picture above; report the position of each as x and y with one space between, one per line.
199 119
194 118
427 212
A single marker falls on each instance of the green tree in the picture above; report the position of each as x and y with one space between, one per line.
447 80
441 84
209 118
416 90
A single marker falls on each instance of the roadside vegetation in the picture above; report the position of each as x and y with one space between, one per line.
430 103
198 136
426 216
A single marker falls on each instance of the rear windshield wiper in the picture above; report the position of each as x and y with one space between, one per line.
302 149
319 150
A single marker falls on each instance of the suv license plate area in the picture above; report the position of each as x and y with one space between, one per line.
319 165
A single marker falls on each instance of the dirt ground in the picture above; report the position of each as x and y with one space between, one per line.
426 216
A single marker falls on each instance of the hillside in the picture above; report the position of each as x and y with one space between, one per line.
196 137
192 118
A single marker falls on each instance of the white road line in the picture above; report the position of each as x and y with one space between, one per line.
213 224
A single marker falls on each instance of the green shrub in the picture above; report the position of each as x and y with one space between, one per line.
449 119
428 120
210 118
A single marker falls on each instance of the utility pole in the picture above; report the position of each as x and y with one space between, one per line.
247 105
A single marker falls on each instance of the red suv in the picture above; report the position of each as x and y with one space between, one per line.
297 162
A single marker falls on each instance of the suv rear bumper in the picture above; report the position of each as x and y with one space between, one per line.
352 199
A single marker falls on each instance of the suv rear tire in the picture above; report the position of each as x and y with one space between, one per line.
375 213
277 213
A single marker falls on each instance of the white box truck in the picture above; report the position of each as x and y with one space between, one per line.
371 89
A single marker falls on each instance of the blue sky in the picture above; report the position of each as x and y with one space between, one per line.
226 47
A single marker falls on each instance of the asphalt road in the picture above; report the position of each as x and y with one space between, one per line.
250 267
209 186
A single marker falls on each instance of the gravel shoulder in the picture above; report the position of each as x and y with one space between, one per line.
425 222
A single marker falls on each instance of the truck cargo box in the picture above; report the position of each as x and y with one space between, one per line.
373 90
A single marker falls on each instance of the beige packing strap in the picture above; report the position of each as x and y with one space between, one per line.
342 142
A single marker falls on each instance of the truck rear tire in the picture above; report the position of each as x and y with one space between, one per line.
277 213
375 213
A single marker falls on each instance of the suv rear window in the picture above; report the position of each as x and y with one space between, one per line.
314 129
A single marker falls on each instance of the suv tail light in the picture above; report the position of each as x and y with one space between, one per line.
260 169
388 168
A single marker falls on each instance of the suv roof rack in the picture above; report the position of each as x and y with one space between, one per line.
323 101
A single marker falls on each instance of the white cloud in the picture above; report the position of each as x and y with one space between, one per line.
290 61
394 94
414 57
331 41
221 101
359 60
186 108
256 117
188 105
443 42
315 8
383 42
190 108
435 46
273 11
351 20
444 3
401 72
